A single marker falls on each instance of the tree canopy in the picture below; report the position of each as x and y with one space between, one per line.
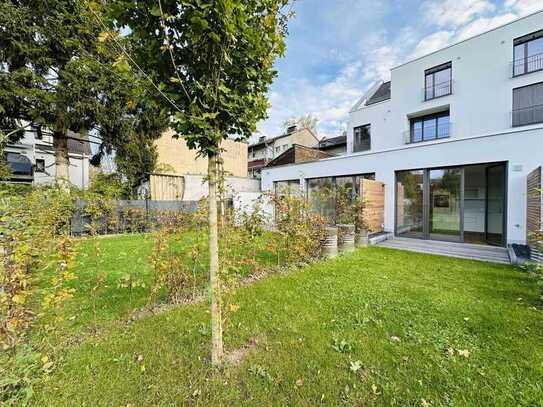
59 69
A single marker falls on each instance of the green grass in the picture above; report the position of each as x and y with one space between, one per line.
98 303
403 318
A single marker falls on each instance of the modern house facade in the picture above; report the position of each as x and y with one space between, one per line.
453 136
265 150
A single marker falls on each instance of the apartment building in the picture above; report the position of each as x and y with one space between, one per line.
453 136
265 150
32 158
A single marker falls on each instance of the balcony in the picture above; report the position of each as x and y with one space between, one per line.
524 66
441 132
438 90
527 116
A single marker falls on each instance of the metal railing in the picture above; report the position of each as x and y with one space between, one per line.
437 90
527 116
442 132
526 65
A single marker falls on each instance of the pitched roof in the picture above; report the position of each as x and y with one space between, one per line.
380 95
332 142
298 154
270 140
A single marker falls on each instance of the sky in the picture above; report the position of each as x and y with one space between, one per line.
337 49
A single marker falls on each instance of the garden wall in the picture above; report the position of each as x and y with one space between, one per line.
534 210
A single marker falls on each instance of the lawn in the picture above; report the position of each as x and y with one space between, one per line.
377 327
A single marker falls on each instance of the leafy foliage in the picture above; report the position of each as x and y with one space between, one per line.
59 70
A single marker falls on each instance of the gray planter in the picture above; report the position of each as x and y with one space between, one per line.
329 248
345 238
361 238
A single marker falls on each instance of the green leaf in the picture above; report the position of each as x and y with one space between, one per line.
155 11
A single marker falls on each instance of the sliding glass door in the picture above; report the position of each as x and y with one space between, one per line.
458 204
429 204
445 206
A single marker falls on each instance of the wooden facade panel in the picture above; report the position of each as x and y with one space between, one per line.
533 212
373 194
167 187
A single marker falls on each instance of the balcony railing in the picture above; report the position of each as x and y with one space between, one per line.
527 65
437 90
442 132
527 116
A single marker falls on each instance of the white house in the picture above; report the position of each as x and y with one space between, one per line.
452 136
32 159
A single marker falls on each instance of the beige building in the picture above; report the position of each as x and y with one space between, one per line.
174 153
181 175
265 150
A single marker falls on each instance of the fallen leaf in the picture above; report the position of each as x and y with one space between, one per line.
464 353
424 403
374 388
299 382
395 339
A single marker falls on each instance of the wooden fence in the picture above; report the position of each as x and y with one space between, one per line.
534 209
373 194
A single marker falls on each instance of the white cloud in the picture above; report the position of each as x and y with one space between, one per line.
483 24
523 7
432 43
454 12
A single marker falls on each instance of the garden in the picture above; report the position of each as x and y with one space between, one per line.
124 319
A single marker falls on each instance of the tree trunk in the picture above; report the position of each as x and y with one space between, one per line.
216 303
62 159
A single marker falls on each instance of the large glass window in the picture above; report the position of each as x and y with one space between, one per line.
291 187
438 81
432 127
528 105
528 54
362 138
410 203
323 193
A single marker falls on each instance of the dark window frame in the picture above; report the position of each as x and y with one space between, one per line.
422 119
524 41
513 121
431 72
356 146
38 168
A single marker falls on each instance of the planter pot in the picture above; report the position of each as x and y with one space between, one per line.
345 238
329 248
361 238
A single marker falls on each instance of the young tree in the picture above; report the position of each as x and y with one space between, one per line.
214 62
57 70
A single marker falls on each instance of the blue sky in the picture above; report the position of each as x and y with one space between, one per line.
337 49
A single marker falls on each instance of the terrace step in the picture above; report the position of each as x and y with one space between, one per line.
459 250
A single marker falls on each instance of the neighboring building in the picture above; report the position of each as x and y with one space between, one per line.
453 136
334 145
32 158
182 175
265 150
298 154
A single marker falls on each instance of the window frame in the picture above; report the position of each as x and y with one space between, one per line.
524 41
431 72
523 108
37 168
368 126
422 119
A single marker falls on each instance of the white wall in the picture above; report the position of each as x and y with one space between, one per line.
196 186
522 149
481 102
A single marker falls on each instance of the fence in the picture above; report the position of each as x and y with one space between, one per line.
124 216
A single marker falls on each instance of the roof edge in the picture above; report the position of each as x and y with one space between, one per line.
468 39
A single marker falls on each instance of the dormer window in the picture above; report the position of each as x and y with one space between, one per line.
438 81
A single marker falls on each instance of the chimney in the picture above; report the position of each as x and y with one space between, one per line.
291 129
261 139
